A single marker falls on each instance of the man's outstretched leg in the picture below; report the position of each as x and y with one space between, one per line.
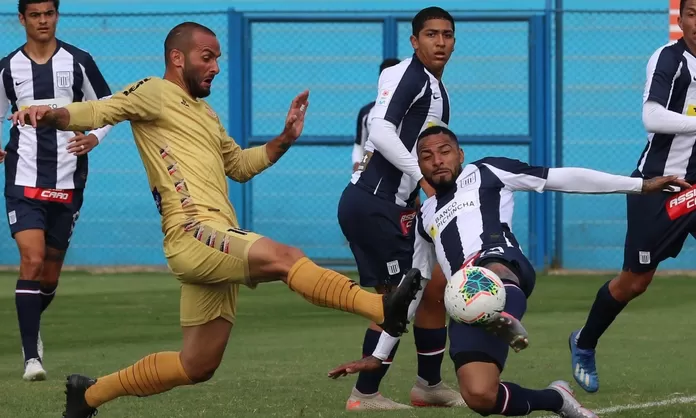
201 354
270 260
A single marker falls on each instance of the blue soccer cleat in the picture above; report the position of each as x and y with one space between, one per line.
584 367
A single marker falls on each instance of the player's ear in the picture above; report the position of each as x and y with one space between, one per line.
176 57
22 20
461 156
679 22
414 42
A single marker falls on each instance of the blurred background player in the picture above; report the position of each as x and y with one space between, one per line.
657 224
377 208
362 131
187 156
45 169
467 222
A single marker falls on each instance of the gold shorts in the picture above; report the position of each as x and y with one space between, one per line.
210 260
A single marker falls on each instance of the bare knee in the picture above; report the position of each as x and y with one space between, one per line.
31 264
199 369
629 285
480 397
270 259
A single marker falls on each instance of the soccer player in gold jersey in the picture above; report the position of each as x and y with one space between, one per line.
187 155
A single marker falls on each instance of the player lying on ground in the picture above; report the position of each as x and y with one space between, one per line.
377 208
467 222
657 225
45 169
187 154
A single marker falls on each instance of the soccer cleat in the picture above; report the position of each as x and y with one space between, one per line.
39 348
440 394
509 329
571 407
584 366
75 404
33 370
396 303
375 402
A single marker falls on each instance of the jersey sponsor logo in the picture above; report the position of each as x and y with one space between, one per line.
48 195
407 221
384 96
135 87
691 110
682 204
464 203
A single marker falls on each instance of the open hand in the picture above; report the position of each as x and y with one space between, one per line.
294 122
81 144
664 183
31 115
369 363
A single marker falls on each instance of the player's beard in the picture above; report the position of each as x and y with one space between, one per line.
442 185
193 82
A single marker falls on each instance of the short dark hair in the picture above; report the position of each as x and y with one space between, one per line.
180 37
436 130
389 62
428 13
22 4
682 5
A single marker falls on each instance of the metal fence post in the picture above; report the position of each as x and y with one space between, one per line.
237 110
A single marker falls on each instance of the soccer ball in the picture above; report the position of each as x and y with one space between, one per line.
473 295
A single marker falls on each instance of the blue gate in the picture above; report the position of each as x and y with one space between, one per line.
499 81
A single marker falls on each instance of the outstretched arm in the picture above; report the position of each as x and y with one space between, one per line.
517 175
242 165
140 102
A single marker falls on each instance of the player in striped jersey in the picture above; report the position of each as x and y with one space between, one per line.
658 225
45 169
363 129
468 222
377 208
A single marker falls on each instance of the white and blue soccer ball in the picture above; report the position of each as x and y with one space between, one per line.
473 295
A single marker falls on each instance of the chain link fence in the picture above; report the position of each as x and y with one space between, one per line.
295 202
604 58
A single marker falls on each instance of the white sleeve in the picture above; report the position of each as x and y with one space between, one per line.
399 87
4 103
357 153
583 180
385 140
515 174
657 119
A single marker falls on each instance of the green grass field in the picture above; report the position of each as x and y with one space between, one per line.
282 347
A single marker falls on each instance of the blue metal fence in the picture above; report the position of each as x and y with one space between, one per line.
504 87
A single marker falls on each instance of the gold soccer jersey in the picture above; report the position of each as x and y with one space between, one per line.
185 150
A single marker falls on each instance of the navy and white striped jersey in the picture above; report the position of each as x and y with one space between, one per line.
361 132
474 215
38 157
671 82
410 98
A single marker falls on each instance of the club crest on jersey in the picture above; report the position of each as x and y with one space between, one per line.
64 79
468 180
